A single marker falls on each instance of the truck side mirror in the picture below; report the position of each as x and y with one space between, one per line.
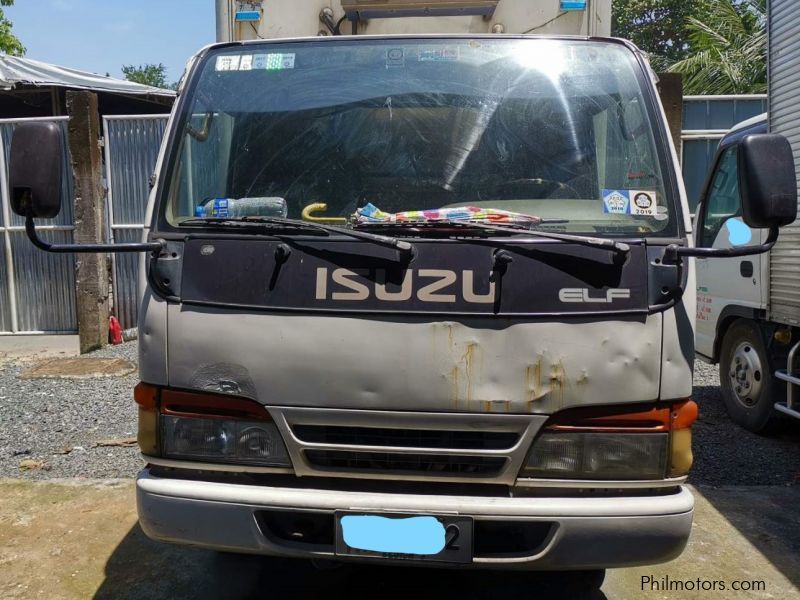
768 193
767 181
34 176
37 157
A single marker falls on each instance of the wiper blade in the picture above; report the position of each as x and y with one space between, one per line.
594 242
585 240
382 240
245 222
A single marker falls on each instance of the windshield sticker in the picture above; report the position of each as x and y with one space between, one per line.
616 202
643 203
246 64
228 62
273 62
739 234
443 54
639 203
395 57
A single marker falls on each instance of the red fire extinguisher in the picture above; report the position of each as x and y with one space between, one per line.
114 331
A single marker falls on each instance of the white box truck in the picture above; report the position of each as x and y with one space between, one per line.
749 308
241 20
418 299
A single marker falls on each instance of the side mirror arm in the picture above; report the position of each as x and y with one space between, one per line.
30 229
674 253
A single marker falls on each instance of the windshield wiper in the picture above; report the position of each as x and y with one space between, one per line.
595 242
257 221
585 240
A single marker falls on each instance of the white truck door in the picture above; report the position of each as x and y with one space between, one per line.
724 282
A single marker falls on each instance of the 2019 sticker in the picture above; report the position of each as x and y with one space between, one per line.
639 203
643 203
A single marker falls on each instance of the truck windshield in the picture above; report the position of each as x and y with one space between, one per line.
554 129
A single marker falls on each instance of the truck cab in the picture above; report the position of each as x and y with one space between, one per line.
739 322
733 293
419 300
749 307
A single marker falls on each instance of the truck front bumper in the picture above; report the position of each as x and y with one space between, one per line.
578 532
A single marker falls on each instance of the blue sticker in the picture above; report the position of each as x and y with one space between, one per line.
616 202
413 535
739 234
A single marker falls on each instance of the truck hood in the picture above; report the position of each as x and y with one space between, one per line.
331 327
385 363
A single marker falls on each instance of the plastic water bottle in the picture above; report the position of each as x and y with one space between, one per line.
231 208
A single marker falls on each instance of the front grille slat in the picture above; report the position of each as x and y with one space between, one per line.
406 438
428 464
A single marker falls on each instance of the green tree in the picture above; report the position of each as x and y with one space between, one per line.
154 75
729 50
659 27
9 43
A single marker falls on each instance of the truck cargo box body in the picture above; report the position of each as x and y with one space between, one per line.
784 118
290 18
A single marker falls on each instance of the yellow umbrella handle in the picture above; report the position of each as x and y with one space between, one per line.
319 207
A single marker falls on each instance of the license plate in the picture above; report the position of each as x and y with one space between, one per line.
439 538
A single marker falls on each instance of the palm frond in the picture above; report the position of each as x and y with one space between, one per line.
730 50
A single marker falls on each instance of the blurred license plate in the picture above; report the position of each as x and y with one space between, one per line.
441 538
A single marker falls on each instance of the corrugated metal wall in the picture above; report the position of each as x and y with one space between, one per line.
37 289
132 143
784 84
706 120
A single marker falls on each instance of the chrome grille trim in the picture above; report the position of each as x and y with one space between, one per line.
524 426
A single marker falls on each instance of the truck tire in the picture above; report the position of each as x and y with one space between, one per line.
745 377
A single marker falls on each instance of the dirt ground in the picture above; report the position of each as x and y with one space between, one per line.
76 539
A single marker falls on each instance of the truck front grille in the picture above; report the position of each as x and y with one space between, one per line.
411 446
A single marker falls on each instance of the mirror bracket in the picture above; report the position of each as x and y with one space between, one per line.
674 253
156 247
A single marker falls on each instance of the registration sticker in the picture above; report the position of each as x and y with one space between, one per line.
273 62
395 57
246 64
439 54
643 203
228 62
616 202
639 203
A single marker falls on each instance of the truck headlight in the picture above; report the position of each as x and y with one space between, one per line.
612 444
207 427
598 456
218 440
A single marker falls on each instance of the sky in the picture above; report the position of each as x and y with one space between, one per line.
102 35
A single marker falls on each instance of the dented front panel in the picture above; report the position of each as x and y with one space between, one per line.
416 364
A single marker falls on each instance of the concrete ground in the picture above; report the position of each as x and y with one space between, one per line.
79 539
31 347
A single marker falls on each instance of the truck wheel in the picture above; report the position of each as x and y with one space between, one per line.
745 377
